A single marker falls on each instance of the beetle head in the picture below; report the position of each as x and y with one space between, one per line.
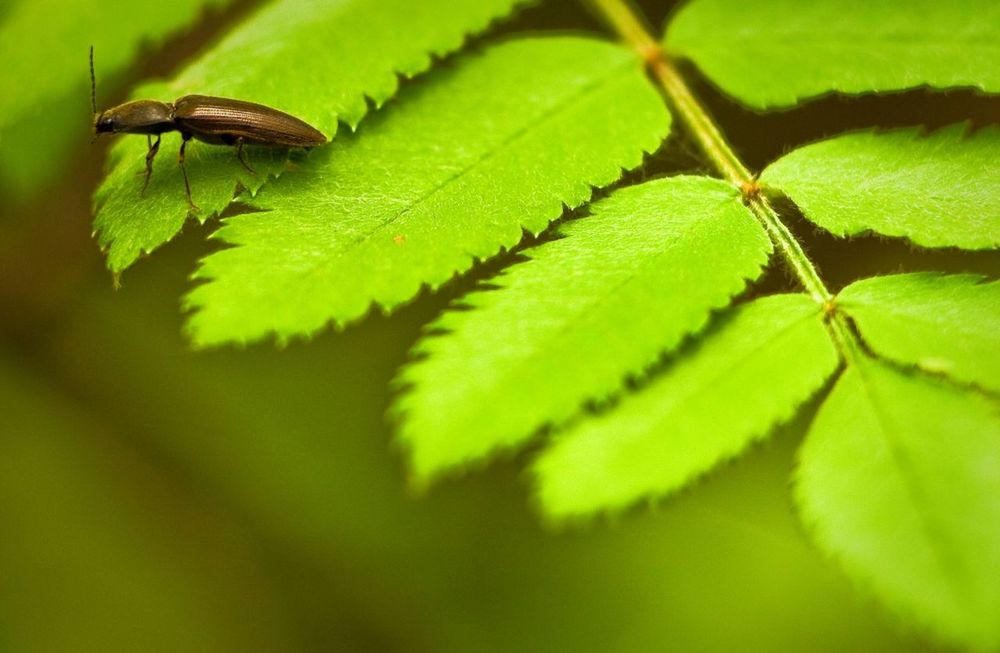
104 124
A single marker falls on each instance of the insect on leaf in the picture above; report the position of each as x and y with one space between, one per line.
44 116
318 61
493 144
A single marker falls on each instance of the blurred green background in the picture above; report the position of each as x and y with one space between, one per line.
153 498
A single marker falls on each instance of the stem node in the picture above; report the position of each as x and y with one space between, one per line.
750 190
630 28
651 53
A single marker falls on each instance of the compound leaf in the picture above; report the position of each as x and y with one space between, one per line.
775 53
899 479
946 324
493 144
619 288
747 374
316 60
937 190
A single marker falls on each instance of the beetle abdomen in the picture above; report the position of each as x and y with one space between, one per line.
216 119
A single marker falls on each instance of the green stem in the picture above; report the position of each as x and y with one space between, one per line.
630 28
698 122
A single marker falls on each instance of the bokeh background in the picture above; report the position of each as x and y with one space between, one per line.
154 498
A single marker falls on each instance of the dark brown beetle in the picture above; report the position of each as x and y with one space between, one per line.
216 120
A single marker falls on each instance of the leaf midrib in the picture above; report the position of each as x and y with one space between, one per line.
328 261
591 306
913 489
696 389
547 116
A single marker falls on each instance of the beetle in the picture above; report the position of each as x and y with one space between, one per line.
215 120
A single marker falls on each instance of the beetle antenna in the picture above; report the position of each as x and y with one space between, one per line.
93 83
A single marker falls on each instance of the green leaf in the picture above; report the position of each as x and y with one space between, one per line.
316 60
45 115
747 374
945 324
620 288
937 190
481 149
899 479
775 53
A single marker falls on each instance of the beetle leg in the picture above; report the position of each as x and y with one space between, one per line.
187 186
239 155
153 149
149 146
